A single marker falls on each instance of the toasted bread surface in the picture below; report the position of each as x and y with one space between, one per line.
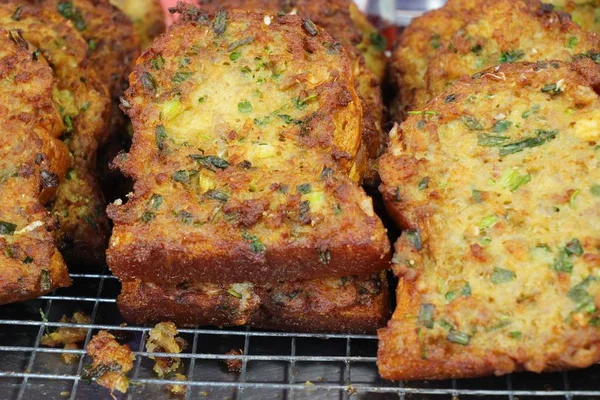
242 163
477 35
31 160
365 47
496 184
342 305
84 102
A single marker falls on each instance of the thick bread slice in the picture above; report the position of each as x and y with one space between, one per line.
246 128
32 161
365 47
84 102
335 305
468 36
497 184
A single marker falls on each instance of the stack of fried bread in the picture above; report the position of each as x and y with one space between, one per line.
495 179
247 207
64 64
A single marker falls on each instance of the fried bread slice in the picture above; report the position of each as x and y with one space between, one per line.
242 163
585 13
31 160
84 102
363 43
334 305
477 35
497 186
147 16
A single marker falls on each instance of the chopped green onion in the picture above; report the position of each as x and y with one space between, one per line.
501 275
458 337
426 315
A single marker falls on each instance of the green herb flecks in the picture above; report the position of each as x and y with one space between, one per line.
458 337
513 180
425 317
28 260
511 56
477 196
245 106
300 103
255 245
6 228
471 122
181 176
234 293
501 275
217 195
434 42
563 262
534 109
310 27
219 24
552 88
239 43
147 216
488 222
595 190
16 16
378 41
451 98
160 135
326 173
304 188
514 335
572 42
324 256
289 120
156 201
424 183
71 13
45 281
414 237
491 140
579 294
148 82
181 77
210 162
574 248
542 136
501 126
157 62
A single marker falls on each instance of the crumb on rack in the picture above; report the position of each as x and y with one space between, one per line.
111 361
177 389
163 339
68 337
234 364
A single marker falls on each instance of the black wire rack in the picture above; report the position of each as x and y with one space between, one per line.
274 365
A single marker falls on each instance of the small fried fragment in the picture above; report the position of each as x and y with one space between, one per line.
63 336
163 339
178 389
234 364
111 361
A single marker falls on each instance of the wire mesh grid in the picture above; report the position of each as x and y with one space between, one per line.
275 365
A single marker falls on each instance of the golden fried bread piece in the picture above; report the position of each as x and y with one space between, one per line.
342 305
147 15
31 160
585 13
497 186
242 163
113 43
342 20
418 44
82 226
476 35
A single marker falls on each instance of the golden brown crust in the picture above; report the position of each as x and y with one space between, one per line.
467 36
111 361
31 161
85 104
335 305
263 185
584 13
147 16
365 47
499 264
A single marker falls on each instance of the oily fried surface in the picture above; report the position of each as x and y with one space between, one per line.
31 160
585 13
427 60
147 16
342 305
113 43
82 226
111 361
498 187
259 181
342 20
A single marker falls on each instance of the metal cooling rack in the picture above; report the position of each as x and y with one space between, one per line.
274 365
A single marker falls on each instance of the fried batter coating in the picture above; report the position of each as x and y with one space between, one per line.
242 163
465 37
585 13
32 161
163 339
111 362
147 15
363 43
497 186
344 305
84 103
113 44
